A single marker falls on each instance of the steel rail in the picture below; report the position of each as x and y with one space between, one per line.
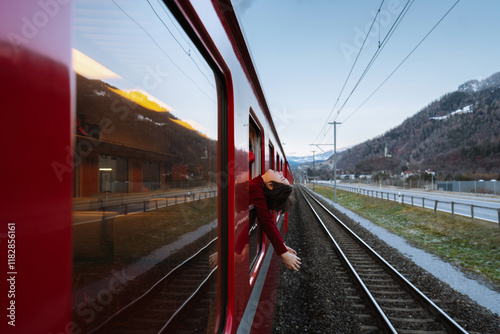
445 319
382 319
187 302
149 292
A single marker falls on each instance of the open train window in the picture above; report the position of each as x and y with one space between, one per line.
278 162
255 232
271 156
146 138
255 146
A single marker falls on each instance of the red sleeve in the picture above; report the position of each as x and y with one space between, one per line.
266 220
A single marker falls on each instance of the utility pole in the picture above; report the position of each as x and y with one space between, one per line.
335 159
313 171
317 145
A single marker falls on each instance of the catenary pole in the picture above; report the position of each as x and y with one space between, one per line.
335 159
313 171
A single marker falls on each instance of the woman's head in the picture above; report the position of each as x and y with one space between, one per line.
272 175
278 191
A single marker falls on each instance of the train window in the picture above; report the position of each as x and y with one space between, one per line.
271 156
145 172
278 162
255 232
255 146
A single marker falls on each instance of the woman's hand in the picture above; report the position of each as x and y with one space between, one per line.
213 260
291 260
291 250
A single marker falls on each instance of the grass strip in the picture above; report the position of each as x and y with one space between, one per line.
470 245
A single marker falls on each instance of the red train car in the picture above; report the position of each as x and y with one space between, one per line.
127 129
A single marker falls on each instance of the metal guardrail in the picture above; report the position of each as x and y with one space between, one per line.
187 197
154 201
400 198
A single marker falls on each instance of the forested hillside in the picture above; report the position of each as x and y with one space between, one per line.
457 136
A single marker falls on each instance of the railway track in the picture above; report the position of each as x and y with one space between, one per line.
385 301
177 303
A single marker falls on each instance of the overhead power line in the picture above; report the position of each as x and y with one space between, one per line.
404 60
381 46
352 68
379 50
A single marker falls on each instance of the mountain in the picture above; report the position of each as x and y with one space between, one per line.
292 160
457 136
134 126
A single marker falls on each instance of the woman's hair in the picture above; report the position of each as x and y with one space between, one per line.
279 198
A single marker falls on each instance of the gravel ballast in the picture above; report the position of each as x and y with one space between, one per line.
311 301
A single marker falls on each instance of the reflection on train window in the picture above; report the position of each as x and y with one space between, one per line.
145 167
113 172
255 232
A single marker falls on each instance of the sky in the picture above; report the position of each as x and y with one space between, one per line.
304 50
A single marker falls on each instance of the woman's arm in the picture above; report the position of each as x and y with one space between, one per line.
266 220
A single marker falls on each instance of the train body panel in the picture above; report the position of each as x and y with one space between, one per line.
35 67
130 127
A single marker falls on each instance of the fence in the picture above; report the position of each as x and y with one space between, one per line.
400 198
476 187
